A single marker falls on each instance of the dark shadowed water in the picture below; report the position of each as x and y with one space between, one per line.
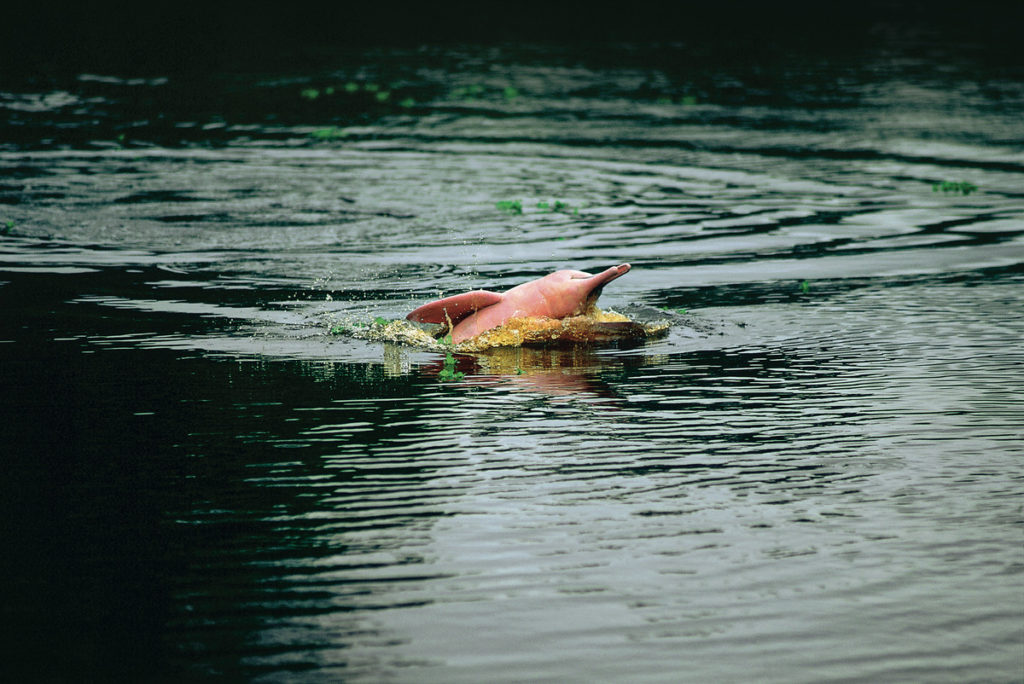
817 475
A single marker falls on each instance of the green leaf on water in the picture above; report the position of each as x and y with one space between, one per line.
805 287
962 187
448 373
331 133
510 206
557 205
469 92
310 93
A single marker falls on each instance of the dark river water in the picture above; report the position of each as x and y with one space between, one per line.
815 476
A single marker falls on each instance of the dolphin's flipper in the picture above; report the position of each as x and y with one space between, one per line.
457 307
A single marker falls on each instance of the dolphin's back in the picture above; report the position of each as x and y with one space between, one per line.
454 308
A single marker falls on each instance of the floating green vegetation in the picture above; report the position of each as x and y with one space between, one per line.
7 228
955 187
448 373
543 206
674 309
558 205
685 100
805 287
510 206
470 92
520 371
475 91
354 94
330 133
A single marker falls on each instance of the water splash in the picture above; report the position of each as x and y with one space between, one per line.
593 327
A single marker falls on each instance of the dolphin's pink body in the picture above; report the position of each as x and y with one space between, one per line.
561 294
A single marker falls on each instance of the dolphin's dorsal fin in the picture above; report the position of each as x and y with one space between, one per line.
456 307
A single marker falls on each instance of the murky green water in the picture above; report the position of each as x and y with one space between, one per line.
815 476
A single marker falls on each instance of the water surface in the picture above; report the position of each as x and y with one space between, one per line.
815 476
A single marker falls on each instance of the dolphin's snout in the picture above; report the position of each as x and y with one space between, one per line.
612 273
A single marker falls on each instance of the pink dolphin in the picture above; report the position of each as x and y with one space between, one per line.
561 294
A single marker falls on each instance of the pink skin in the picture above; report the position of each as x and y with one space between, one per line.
561 294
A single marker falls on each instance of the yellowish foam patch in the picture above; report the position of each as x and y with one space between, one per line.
593 326
588 328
